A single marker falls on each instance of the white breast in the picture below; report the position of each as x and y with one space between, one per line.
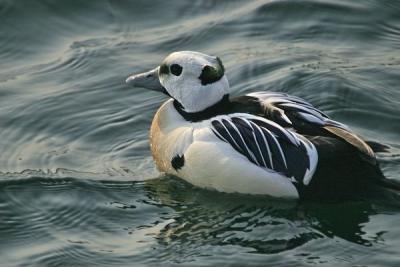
209 162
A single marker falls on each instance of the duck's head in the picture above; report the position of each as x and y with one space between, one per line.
196 81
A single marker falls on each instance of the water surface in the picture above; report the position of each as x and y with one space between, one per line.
78 185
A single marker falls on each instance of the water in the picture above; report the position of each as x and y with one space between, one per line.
77 183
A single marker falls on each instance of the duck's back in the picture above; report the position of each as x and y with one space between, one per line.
346 163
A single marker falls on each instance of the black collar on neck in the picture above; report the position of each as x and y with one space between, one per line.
221 107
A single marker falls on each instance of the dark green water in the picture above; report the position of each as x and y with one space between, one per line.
77 183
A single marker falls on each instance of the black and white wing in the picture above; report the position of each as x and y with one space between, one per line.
268 145
292 111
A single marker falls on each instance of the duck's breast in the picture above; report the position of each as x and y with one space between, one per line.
170 135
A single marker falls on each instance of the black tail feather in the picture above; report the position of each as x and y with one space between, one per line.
390 184
378 147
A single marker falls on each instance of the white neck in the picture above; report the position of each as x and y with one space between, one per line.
196 97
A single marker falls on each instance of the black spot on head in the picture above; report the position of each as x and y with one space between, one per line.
176 69
164 69
178 161
211 74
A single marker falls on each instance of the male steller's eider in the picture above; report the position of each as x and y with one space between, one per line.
266 143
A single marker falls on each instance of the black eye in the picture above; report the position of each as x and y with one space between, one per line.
176 69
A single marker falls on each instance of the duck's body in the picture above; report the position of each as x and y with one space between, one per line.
261 143
191 151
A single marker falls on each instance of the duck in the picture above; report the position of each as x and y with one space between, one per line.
261 143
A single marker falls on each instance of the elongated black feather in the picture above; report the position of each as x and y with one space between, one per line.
280 132
265 144
308 120
238 139
223 134
278 160
247 133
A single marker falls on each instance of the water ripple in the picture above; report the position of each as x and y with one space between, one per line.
74 137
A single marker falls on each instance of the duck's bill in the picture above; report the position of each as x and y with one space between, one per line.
148 80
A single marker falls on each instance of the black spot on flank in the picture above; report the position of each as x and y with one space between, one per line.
176 69
164 69
178 161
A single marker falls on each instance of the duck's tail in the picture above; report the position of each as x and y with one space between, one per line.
378 147
386 183
390 184
387 191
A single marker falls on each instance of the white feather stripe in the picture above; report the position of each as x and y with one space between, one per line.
255 128
285 118
291 137
244 142
220 136
282 99
264 94
233 139
273 124
304 109
279 147
227 120
305 105
278 97
262 140
266 145
313 160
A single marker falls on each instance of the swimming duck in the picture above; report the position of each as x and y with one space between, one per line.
262 143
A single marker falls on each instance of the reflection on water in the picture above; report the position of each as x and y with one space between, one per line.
75 163
53 221
203 217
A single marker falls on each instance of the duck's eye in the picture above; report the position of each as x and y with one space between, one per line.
176 69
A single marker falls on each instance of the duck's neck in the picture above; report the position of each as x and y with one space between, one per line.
221 107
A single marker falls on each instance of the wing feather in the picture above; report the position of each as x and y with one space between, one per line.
292 111
247 132
268 145
263 145
222 133
278 158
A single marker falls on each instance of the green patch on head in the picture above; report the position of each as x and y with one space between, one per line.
221 66
211 74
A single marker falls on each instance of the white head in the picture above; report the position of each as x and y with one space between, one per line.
197 81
